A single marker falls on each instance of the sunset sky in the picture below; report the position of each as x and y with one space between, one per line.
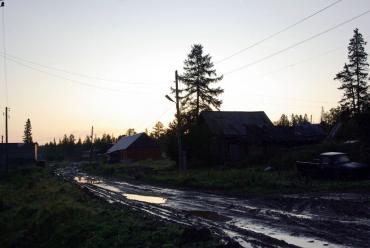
76 63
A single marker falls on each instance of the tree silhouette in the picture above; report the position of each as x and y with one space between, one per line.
158 130
283 121
130 131
27 136
198 95
354 76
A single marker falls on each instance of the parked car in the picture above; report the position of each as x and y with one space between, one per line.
333 165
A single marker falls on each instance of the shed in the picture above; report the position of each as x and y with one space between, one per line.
136 147
18 153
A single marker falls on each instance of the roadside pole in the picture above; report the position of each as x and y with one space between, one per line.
92 144
179 143
6 141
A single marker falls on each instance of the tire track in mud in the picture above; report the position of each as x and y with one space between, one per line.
284 221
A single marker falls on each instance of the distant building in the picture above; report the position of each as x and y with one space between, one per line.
136 147
232 136
18 153
309 132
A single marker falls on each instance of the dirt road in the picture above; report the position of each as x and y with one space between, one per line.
308 220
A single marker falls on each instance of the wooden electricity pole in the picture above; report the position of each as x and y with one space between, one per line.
92 144
181 162
6 140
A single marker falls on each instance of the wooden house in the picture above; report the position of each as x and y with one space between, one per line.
136 147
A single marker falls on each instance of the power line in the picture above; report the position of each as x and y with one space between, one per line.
72 80
296 99
296 44
299 62
157 119
278 32
4 50
76 73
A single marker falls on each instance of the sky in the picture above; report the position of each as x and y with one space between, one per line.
73 64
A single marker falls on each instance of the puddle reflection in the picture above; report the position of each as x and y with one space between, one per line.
96 182
82 179
144 198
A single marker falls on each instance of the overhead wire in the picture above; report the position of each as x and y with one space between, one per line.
278 32
158 118
299 62
73 80
4 61
296 44
77 73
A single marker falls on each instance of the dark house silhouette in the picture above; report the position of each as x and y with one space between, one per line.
309 132
232 136
136 147
18 153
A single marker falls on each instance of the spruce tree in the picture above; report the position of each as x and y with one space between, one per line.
283 121
354 76
198 77
27 136
158 130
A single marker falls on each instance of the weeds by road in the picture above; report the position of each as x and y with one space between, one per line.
250 178
38 210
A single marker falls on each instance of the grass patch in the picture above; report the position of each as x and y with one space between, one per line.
239 181
248 179
38 210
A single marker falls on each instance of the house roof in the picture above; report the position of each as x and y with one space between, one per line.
309 130
124 142
232 123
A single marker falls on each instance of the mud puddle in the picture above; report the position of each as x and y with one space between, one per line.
282 221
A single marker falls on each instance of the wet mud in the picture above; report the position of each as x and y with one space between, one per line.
304 220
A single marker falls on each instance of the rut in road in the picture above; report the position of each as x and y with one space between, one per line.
335 220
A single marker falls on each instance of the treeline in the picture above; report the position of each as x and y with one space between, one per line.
71 148
75 149
294 120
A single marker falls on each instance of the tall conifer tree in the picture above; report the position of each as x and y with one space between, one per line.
354 76
198 77
27 136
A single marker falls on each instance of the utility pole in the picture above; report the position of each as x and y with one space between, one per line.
179 131
6 140
92 144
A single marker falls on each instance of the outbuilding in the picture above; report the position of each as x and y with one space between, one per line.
18 153
136 147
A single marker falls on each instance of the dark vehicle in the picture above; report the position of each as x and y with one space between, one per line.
333 165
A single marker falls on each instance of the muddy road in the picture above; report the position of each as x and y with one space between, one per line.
308 220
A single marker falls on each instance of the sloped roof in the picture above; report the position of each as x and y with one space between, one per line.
232 123
124 142
309 130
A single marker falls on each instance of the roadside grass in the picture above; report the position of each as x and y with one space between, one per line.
239 181
250 178
39 210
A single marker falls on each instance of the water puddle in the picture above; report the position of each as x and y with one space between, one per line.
96 182
108 187
145 198
294 239
82 179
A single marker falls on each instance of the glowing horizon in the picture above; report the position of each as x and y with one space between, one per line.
137 45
